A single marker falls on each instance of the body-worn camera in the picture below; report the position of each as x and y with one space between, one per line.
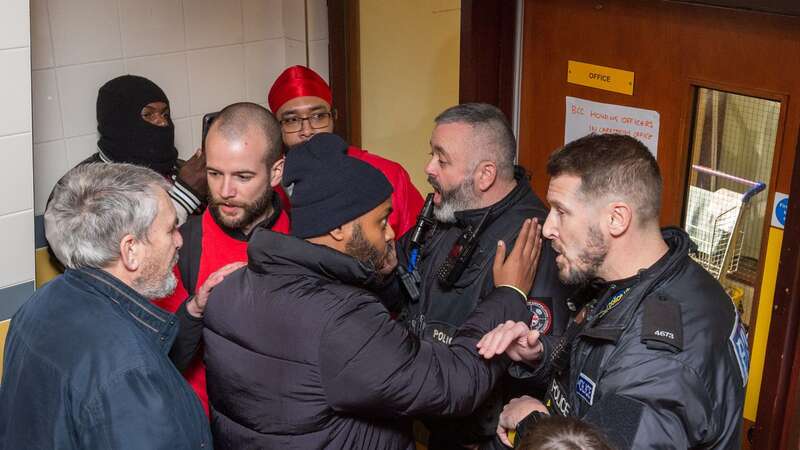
458 258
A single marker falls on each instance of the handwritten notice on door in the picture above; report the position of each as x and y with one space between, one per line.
584 117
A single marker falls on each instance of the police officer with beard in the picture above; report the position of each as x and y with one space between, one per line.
479 197
655 355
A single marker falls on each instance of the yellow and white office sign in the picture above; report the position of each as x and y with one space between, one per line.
600 77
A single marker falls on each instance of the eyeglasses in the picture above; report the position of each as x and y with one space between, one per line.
315 121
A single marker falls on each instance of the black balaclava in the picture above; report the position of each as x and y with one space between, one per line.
124 135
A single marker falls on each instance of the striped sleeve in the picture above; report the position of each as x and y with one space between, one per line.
184 197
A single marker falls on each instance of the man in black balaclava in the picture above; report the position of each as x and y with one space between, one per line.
135 127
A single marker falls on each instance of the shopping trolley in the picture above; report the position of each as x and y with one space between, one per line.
713 222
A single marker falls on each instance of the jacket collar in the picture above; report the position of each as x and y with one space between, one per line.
154 321
474 216
268 222
611 326
268 249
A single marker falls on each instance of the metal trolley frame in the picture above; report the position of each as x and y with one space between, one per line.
714 222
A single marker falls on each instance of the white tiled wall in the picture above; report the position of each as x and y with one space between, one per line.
16 154
16 265
318 36
205 54
151 26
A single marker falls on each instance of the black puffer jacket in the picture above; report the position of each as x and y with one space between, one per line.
301 356
666 366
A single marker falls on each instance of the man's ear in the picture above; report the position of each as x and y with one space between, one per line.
339 234
620 216
276 172
486 175
131 253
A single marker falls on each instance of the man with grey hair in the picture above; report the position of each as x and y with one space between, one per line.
86 362
480 197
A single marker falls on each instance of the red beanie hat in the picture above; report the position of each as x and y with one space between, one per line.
297 81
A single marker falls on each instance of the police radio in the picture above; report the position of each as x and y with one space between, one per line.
409 275
424 222
458 258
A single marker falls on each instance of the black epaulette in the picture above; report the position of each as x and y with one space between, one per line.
662 327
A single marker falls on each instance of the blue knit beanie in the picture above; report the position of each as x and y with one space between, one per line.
330 188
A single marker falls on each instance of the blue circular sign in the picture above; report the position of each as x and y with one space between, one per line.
781 209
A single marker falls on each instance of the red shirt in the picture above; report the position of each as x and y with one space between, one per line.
218 249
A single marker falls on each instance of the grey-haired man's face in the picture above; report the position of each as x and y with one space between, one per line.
450 170
156 278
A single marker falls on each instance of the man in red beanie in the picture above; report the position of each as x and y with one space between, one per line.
301 101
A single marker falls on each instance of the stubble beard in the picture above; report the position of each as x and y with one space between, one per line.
591 259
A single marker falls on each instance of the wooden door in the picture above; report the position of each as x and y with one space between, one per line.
674 49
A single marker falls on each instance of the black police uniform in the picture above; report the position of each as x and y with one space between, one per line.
440 309
655 361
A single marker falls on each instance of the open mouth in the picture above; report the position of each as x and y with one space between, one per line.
437 191
560 259
561 262
229 209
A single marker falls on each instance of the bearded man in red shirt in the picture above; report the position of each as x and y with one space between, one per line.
244 165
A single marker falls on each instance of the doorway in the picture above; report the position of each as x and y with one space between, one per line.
714 76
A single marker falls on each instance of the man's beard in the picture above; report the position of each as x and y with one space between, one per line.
151 284
591 258
361 249
252 211
460 198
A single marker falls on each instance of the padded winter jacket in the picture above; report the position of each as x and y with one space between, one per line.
301 355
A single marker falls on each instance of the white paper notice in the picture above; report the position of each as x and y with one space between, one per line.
584 117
